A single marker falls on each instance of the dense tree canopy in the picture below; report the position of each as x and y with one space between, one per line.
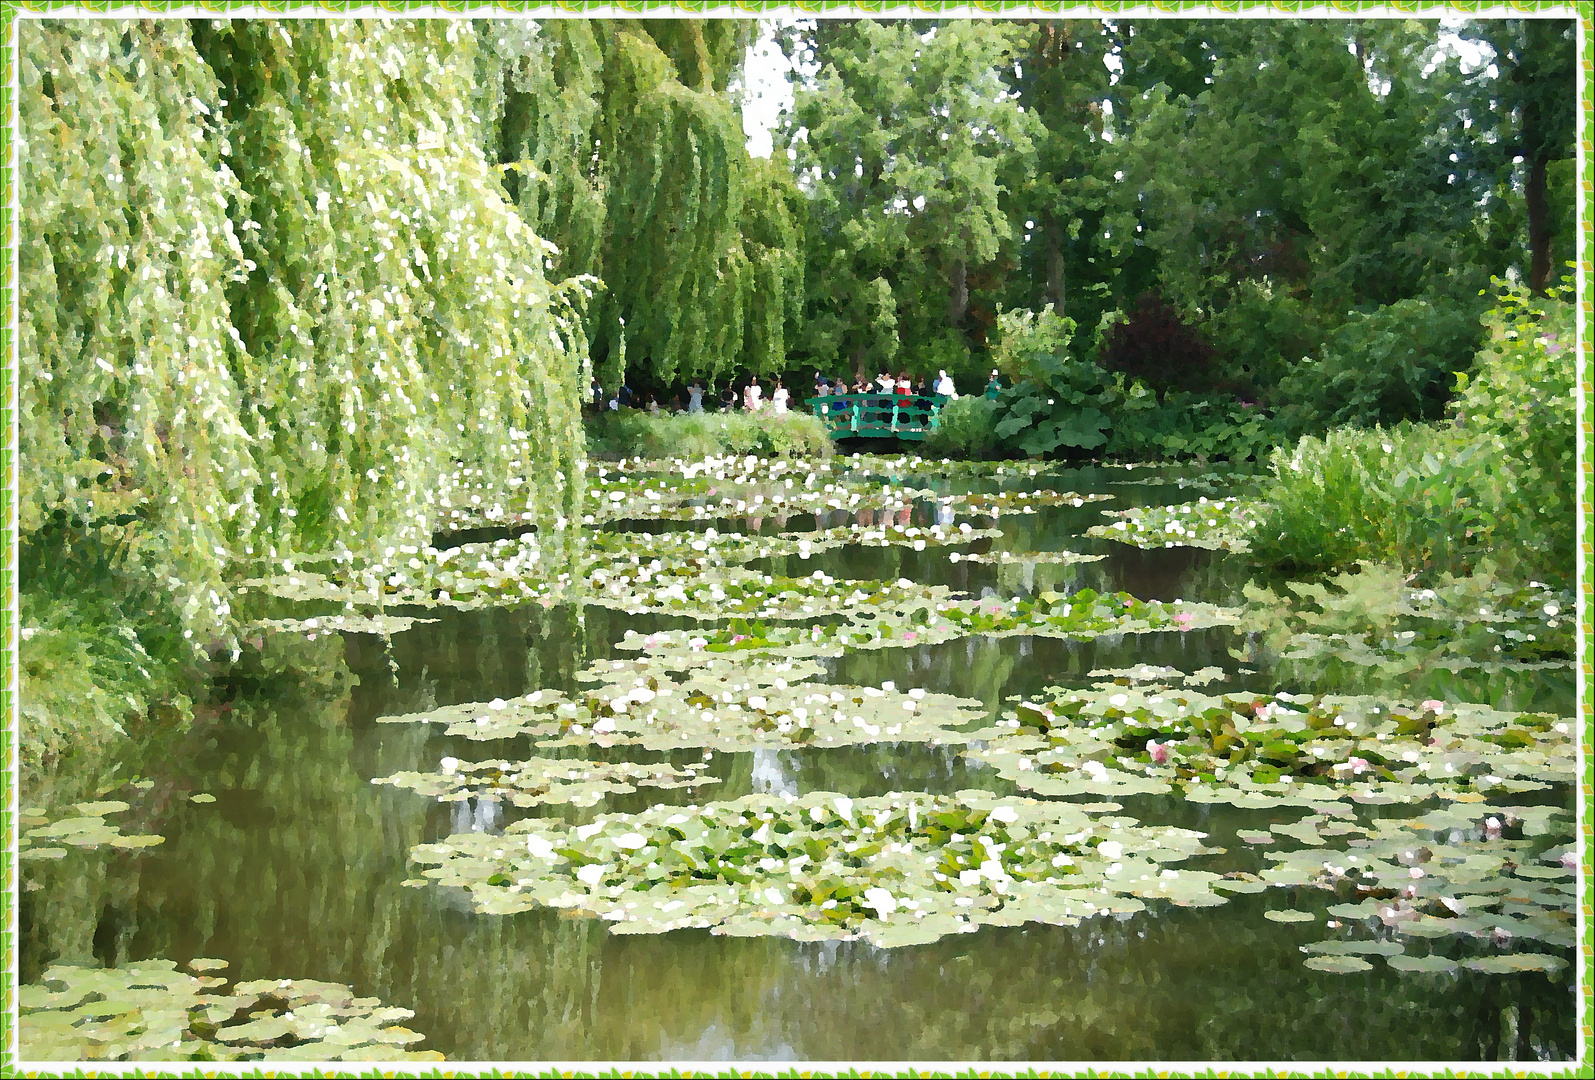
1271 179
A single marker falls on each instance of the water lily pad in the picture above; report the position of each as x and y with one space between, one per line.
1219 525
1421 964
88 830
543 781
827 866
1513 962
721 707
1288 916
150 1011
1338 965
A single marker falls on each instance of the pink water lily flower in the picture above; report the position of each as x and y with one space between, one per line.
1434 706
1159 751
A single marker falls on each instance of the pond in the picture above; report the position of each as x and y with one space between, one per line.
1205 926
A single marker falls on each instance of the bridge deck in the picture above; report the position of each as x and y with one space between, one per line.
875 415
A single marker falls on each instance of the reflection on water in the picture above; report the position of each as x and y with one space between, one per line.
298 868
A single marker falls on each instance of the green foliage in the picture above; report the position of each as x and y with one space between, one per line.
274 299
1060 403
619 143
1381 368
904 137
633 433
1493 483
1262 334
86 675
965 429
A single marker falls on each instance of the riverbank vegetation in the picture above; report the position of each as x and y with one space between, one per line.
637 433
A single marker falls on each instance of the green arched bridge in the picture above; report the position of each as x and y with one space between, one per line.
879 416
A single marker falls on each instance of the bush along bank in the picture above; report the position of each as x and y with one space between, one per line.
634 433
1493 481
1057 404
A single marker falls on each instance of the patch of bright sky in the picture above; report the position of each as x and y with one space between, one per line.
767 87
766 83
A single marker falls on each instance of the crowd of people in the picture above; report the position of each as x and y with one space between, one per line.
751 397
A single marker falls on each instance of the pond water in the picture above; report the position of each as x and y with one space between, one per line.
298 866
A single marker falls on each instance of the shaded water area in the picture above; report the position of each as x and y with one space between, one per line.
297 866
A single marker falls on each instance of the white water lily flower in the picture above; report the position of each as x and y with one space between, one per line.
844 806
1005 814
591 874
448 765
631 841
881 900
539 847
587 832
1110 849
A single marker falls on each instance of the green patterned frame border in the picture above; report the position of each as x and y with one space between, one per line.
1585 170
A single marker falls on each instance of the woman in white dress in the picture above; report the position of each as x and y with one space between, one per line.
695 398
779 397
751 397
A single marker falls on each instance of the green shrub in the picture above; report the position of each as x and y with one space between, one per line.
1261 335
634 433
1381 368
1495 483
965 429
1060 403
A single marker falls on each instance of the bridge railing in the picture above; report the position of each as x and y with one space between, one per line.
877 415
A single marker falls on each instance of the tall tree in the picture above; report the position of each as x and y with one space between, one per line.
619 140
1533 95
906 131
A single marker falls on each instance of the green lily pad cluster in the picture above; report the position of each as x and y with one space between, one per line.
897 869
1492 889
151 1011
1017 502
86 828
1218 525
543 781
1082 614
729 711
1005 557
1256 751
384 625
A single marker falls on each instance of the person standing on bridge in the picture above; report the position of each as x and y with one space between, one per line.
994 385
778 399
944 386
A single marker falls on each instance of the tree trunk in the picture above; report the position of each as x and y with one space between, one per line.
958 293
858 363
1056 294
1534 195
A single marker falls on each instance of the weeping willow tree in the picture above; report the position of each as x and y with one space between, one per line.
274 306
620 143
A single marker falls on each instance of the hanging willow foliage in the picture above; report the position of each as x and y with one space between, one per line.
619 143
273 299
